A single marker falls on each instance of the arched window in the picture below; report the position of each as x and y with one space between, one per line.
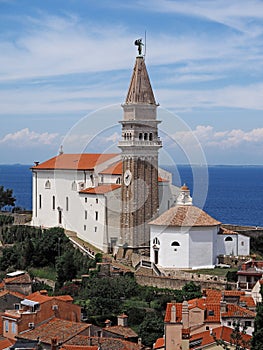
156 241
146 136
228 239
48 185
140 136
74 186
150 136
118 181
175 244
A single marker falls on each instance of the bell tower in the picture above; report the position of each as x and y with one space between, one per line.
139 146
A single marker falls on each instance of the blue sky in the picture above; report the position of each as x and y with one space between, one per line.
65 68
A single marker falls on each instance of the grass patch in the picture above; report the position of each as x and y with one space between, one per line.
217 271
44 272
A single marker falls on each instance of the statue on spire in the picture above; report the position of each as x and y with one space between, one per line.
140 44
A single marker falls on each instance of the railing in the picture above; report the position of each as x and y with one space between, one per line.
140 143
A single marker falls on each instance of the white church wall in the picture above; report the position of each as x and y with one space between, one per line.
227 244
201 247
243 245
172 256
114 211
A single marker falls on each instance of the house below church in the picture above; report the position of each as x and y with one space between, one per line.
187 237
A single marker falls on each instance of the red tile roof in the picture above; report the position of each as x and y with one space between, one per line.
114 169
83 161
78 347
208 337
125 332
101 189
6 343
16 294
234 310
185 216
56 328
23 278
178 306
42 298
159 344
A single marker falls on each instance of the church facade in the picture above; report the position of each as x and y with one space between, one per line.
126 200
108 199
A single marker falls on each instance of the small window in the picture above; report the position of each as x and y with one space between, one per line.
96 215
248 324
118 181
85 227
95 228
229 323
86 215
13 327
140 136
175 244
48 185
156 241
67 204
53 202
228 239
40 201
150 136
101 179
211 313
146 136
17 306
242 243
86 199
97 200
6 326
74 186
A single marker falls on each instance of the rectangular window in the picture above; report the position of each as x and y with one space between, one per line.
95 228
40 201
86 214
6 326
17 306
247 323
85 227
97 201
13 327
96 215
53 203
86 199
67 204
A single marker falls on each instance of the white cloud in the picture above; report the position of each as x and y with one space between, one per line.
209 137
27 138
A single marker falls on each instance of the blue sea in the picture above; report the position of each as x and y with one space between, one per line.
235 193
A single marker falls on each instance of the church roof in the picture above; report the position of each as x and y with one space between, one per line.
82 161
186 216
101 189
140 90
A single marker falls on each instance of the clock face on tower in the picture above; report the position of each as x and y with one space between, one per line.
127 177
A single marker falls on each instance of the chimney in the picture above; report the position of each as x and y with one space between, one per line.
54 343
107 323
223 306
185 315
173 314
123 320
140 341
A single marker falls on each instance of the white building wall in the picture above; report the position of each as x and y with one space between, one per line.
227 244
243 245
201 247
168 255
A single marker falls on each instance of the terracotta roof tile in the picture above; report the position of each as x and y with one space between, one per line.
105 343
6 343
159 344
114 169
83 161
225 231
125 332
101 189
24 278
178 306
78 347
186 216
234 310
56 328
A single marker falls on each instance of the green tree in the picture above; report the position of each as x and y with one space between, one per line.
6 197
151 328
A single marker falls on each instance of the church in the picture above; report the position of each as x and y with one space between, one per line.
125 201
